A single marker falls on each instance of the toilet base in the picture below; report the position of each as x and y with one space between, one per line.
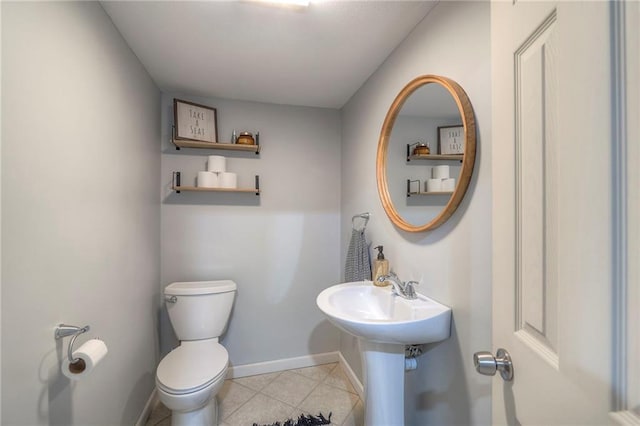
207 415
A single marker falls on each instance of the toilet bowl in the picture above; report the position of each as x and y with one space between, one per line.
191 375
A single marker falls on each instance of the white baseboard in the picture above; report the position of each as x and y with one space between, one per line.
236 371
355 382
148 408
297 362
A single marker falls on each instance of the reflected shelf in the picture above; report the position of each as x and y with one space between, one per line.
437 157
409 194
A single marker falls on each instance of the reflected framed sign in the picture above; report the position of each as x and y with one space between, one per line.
451 140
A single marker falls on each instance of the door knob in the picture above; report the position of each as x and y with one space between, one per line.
487 364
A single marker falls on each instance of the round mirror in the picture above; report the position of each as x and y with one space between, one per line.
426 153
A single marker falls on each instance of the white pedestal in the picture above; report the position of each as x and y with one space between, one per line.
383 365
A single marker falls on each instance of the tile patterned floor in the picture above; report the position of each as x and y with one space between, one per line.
267 398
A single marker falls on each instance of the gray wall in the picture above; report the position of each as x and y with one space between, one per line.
452 262
281 248
81 233
80 214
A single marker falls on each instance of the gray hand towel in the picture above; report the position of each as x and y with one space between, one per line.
358 264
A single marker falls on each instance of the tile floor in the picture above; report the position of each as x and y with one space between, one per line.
267 398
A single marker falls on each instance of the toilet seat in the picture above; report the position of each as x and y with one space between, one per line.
192 366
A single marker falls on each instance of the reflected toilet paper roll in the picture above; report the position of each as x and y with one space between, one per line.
90 354
208 180
228 180
216 163
449 184
440 172
434 185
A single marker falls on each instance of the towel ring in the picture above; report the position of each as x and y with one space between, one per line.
64 330
364 216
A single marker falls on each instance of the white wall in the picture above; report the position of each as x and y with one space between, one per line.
452 262
281 248
80 214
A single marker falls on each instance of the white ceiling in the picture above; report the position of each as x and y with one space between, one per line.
314 56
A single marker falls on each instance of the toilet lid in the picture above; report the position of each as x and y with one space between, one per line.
192 366
198 288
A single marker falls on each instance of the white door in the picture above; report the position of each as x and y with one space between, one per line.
552 211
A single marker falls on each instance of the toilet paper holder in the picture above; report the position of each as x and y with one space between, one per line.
64 330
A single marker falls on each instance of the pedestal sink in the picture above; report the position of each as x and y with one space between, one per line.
384 323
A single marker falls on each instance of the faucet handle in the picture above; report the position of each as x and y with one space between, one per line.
409 288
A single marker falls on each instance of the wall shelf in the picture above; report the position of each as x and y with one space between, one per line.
197 189
177 187
180 143
186 143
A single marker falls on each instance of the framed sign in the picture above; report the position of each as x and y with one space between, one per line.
195 122
451 139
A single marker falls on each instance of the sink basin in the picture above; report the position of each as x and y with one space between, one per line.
376 314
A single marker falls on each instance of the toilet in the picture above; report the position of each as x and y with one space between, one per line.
191 375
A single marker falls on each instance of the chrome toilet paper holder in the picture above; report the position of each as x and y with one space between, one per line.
64 330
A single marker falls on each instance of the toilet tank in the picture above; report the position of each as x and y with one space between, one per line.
199 309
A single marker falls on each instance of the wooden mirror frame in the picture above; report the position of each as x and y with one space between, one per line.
468 160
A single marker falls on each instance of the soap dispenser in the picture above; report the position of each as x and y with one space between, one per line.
380 268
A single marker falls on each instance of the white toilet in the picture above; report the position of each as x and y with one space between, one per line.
191 375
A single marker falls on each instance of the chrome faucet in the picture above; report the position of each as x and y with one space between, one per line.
405 290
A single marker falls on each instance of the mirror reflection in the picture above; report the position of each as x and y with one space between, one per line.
426 153
420 183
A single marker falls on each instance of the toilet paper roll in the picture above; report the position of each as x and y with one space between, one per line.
208 180
228 180
217 163
440 172
90 355
434 185
449 184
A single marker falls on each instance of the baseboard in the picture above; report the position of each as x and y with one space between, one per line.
355 382
236 371
148 408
